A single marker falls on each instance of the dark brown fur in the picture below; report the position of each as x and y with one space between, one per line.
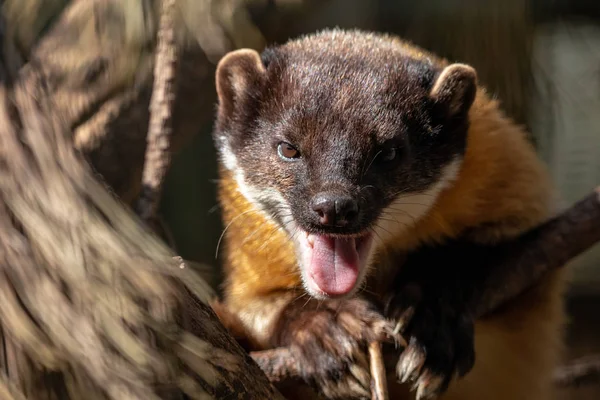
341 125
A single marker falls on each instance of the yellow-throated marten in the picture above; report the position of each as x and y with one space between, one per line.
342 152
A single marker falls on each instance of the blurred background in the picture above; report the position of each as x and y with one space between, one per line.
541 58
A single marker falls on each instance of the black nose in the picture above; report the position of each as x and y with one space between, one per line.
335 209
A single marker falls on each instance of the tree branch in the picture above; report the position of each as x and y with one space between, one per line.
522 262
91 303
579 371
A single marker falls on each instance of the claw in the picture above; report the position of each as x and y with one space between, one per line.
361 375
403 320
410 363
429 385
357 389
392 335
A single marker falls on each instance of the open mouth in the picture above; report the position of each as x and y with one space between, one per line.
333 265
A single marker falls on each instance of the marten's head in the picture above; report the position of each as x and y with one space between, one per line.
342 138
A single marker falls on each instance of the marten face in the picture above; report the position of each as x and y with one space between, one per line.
342 144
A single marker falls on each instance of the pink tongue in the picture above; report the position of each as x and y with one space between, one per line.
333 264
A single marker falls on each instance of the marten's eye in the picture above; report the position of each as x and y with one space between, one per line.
388 154
287 151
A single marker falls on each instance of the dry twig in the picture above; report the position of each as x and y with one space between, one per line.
378 383
158 156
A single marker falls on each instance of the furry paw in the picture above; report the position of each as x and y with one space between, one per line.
440 335
329 341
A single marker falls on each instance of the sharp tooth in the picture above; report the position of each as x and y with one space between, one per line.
310 239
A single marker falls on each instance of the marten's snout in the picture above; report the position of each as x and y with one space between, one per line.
333 209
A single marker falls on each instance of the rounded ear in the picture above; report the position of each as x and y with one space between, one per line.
454 90
238 73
